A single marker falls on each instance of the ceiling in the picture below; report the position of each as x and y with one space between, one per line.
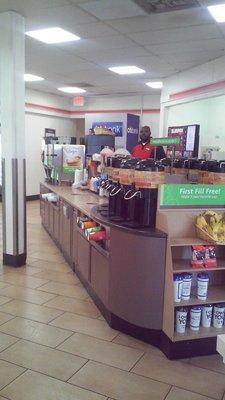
117 32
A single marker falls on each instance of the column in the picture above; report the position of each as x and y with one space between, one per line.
12 118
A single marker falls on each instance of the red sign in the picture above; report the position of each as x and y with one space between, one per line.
78 101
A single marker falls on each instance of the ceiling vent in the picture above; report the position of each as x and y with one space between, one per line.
157 6
81 85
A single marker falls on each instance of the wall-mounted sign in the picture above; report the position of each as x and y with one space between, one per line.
49 132
78 101
176 195
133 124
73 157
117 127
165 141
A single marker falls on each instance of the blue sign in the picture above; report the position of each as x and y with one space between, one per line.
117 127
133 122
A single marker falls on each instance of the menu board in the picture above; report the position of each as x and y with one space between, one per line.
189 140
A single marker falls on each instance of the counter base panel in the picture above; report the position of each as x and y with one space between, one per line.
188 348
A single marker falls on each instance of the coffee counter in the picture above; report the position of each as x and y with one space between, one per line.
126 279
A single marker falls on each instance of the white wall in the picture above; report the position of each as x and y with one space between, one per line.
67 124
34 132
132 104
201 101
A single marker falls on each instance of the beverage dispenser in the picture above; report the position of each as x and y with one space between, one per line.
149 174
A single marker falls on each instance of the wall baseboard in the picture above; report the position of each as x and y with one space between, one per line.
33 197
28 198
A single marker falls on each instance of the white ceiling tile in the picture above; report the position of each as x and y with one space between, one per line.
197 56
176 19
210 31
182 47
114 55
29 7
94 29
66 17
84 46
112 9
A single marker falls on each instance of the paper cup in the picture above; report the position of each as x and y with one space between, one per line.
207 315
181 320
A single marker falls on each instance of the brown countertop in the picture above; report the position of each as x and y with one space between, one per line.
91 204
83 200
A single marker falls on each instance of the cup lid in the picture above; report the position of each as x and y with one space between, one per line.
203 275
187 275
177 277
197 308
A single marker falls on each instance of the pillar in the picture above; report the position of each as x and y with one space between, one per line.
12 118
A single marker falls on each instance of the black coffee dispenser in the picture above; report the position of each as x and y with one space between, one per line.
115 193
149 174
125 185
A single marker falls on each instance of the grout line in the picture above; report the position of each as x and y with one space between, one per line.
139 359
87 360
171 387
9 383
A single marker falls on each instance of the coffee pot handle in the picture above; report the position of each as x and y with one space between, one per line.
112 193
132 196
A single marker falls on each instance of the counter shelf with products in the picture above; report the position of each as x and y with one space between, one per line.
130 275
123 274
179 224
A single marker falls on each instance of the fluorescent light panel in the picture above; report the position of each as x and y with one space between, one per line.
32 78
218 12
52 35
71 89
127 70
155 84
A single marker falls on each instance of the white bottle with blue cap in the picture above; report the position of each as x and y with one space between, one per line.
186 287
195 317
177 287
202 285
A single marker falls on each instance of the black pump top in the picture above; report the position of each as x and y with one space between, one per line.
117 161
130 163
149 165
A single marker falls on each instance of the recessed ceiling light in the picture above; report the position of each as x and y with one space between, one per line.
155 85
32 78
127 70
71 89
218 12
53 35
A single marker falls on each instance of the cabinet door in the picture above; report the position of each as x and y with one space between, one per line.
51 219
100 275
46 214
83 256
75 238
56 224
66 227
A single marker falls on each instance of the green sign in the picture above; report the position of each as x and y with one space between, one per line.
165 141
192 195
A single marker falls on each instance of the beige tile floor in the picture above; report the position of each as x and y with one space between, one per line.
54 344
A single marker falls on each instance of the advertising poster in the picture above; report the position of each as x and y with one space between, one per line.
133 124
117 127
73 158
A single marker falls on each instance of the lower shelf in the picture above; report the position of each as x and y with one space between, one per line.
202 333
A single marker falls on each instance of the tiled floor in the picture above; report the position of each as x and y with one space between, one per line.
54 344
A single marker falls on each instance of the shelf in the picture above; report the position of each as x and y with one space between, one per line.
181 265
187 241
202 333
216 294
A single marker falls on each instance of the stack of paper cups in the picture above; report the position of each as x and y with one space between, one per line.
207 315
177 287
202 285
195 318
186 287
181 320
218 316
